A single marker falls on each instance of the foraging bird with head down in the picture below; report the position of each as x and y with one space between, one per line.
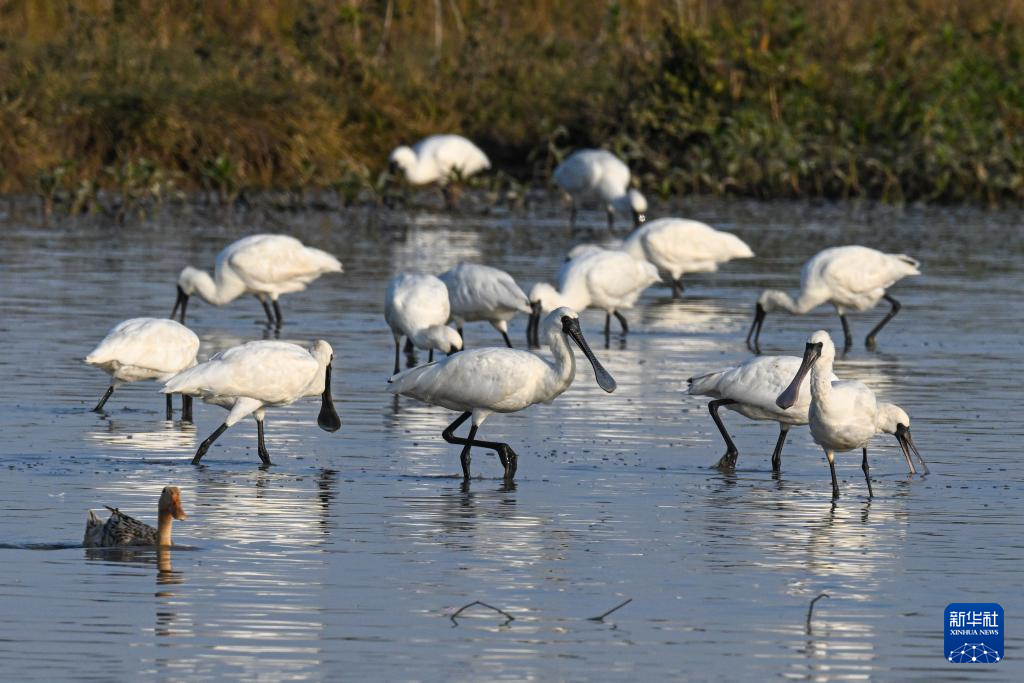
598 173
441 159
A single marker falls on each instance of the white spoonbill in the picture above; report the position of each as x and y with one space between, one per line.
146 348
844 415
441 159
850 278
750 389
479 382
416 306
608 280
478 292
265 266
248 379
599 173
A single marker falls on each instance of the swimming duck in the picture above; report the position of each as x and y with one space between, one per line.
121 530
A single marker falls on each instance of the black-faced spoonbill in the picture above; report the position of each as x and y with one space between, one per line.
442 159
479 382
416 306
598 173
850 278
750 389
265 266
478 292
146 348
844 415
250 378
120 530
611 281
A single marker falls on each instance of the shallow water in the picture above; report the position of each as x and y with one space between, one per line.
348 557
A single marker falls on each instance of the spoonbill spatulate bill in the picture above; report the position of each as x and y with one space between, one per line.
442 159
850 278
597 173
416 306
611 281
845 415
478 382
477 292
265 266
250 378
121 530
146 348
750 389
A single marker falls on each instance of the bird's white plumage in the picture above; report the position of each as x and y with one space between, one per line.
145 348
852 278
416 306
754 385
264 265
255 375
607 280
477 292
678 246
597 173
437 158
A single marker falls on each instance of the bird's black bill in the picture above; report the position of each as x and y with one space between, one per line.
907 446
788 397
638 219
571 326
182 302
328 418
755 328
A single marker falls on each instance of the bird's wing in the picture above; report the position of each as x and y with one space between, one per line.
121 529
859 269
415 302
268 371
618 276
492 378
154 343
276 259
456 152
681 241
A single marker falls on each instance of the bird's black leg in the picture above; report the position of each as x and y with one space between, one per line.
870 340
505 453
409 348
186 408
277 312
268 312
727 461
508 342
607 324
398 366
103 401
205 446
170 408
611 218
430 356
847 336
261 446
777 453
832 466
867 477
677 288
622 321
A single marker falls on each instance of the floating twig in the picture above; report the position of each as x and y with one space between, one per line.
810 610
619 606
508 617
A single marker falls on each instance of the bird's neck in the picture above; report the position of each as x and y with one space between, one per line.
225 290
418 173
163 528
803 303
821 379
564 362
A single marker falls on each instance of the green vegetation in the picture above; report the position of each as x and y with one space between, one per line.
893 99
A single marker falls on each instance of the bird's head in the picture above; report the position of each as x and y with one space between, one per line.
401 159
819 347
328 418
188 281
443 338
565 321
170 503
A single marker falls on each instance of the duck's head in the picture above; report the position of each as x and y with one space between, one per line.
170 503
565 321
819 347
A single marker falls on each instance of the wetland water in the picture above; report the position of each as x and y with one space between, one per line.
348 556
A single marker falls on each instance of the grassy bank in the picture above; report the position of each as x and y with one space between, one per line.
893 100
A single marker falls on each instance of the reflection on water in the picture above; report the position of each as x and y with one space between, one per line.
350 553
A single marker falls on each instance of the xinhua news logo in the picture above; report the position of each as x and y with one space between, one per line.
974 633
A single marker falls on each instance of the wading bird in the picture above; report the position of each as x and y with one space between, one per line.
146 348
597 173
750 389
250 378
442 159
416 306
121 530
844 415
611 281
265 266
478 292
850 278
479 382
